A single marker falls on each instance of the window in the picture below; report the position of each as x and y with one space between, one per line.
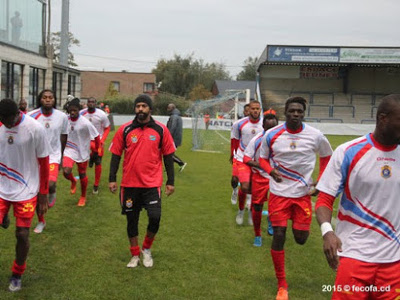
71 84
115 85
36 84
57 86
11 80
148 87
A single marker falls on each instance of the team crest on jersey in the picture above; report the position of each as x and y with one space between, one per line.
293 145
386 172
90 119
253 131
134 139
47 125
129 203
72 128
152 137
10 140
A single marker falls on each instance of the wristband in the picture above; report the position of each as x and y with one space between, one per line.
325 228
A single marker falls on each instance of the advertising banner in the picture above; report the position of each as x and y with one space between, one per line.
370 55
319 72
303 54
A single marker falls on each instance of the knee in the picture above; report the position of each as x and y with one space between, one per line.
258 207
245 186
97 162
67 171
301 238
82 175
234 182
154 224
22 234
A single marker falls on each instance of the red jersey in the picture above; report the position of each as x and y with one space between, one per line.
144 147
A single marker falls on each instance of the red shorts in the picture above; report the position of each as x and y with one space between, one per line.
235 171
100 150
259 189
69 163
24 211
356 279
299 210
244 172
53 172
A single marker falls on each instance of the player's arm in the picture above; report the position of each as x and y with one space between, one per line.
44 185
112 177
169 167
105 135
234 146
63 139
332 244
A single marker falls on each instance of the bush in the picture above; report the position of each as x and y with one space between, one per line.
121 104
162 100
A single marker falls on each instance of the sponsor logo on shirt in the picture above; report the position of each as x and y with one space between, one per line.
386 159
386 171
152 137
153 202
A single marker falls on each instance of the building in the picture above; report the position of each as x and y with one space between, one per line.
96 83
341 84
26 58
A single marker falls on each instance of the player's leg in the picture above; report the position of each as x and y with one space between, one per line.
24 212
244 174
234 182
301 216
68 163
387 279
131 207
259 193
152 200
352 276
97 174
279 211
84 182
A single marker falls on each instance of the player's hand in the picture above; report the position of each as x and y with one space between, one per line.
332 244
276 175
42 203
313 191
113 187
169 190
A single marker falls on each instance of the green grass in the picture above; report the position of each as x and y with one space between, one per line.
199 253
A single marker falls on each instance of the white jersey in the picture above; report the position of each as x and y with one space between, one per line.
55 124
253 151
98 118
294 156
244 130
20 148
368 176
80 133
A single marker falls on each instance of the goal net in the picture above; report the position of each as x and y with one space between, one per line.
212 121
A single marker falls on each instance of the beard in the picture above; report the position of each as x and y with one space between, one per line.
142 116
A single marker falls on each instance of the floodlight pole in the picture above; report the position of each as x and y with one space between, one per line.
64 38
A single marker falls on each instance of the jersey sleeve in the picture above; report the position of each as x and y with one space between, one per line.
118 144
235 131
168 145
264 149
334 177
324 147
64 128
41 142
93 131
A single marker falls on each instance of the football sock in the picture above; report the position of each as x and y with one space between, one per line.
278 258
84 184
135 250
147 242
70 177
97 172
256 221
242 199
17 269
41 218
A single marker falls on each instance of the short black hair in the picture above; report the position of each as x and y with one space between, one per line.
386 104
39 97
74 102
295 99
8 108
246 105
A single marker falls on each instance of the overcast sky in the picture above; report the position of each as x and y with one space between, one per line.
133 35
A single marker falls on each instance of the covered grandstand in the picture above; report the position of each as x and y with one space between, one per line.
341 84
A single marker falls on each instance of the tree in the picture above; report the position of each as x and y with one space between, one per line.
56 41
180 75
199 92
249 71
111 92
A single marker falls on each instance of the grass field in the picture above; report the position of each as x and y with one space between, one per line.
199 253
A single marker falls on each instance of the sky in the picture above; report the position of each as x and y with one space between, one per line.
133 35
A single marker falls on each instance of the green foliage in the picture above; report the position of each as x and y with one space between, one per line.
162 100
120 104
249 71
180 75
55 40
200 92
